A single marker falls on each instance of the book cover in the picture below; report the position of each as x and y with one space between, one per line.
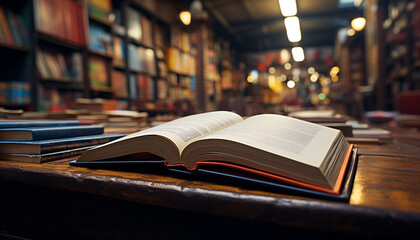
43 133
54 145
47 123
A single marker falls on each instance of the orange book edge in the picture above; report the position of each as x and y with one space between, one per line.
336 189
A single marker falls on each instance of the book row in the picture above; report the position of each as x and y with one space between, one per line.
15 92
56 65
13 30
64 19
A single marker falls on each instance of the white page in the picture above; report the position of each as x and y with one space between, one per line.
184 130
292 138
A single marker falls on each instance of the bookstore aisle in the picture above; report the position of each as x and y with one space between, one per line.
140 56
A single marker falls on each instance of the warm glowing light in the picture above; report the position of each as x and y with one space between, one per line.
149 52
325 81
314 77
311 70
358 23
283 77
252 77
272 70
185 17
288 7
290 84
272 82
357 3
287 66
249 79
350 32
334 71
334 79
293 29
285 56
298 54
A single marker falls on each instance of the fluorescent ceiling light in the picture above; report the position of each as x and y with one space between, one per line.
293 29
288 7
298 54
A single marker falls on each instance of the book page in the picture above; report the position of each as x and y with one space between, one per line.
292 138
184 130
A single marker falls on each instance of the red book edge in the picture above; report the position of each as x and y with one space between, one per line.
336 189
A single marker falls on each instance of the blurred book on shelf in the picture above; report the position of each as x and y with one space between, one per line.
13 28
119 84
63 19
57 66
98 77
97 104
15 92
379 117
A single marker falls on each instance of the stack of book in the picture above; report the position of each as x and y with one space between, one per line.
117 121
43 141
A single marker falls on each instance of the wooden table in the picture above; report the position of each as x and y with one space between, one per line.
58 201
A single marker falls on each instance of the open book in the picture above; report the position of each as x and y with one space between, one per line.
280 148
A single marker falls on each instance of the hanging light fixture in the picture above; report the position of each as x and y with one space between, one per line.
185 17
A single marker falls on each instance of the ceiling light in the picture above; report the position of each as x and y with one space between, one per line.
185 17
293 29
358 23
298 54
288 7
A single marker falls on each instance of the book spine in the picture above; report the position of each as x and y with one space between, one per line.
55 147
62 155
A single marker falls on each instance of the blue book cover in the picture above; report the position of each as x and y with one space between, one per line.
55 145
46 157
43 133
26 124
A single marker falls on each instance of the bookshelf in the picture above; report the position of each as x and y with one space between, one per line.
401 47
59 43
16 54
141 58
181 62
136 54
100 49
